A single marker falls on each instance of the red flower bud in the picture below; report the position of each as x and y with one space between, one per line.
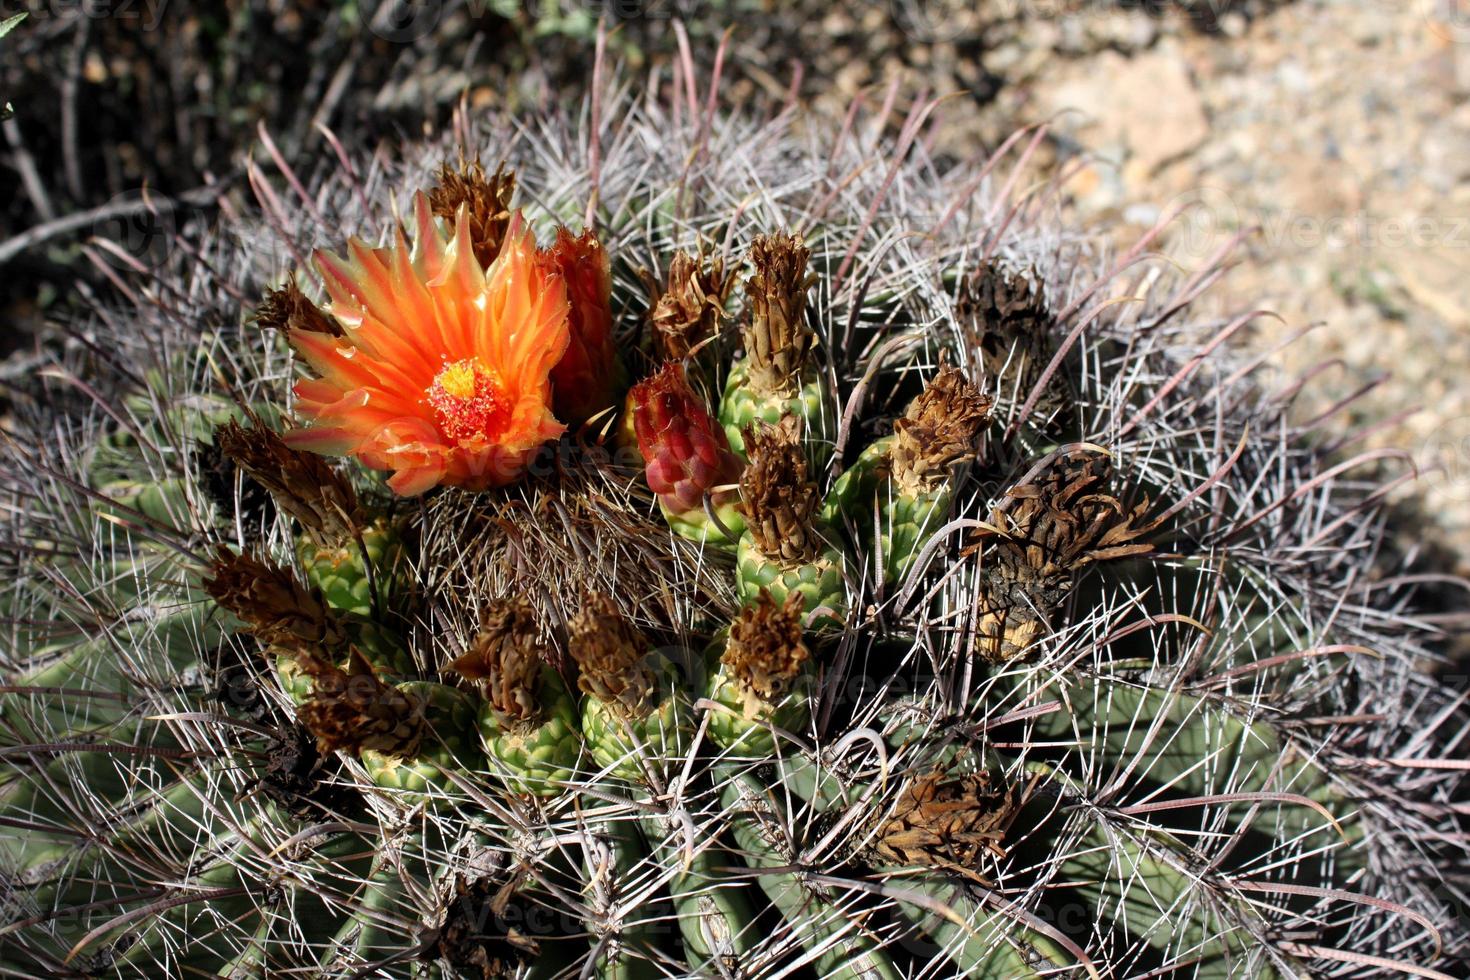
685 451
589 376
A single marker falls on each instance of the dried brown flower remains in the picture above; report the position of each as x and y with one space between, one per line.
780 501
487 947
947 822
1041 535
765 652
941 427
353 710
277 608
302 484
612 655
777 338
1008 323
288 309
690 308
506 659
485 200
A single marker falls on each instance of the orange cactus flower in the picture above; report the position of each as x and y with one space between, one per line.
590 376
442 373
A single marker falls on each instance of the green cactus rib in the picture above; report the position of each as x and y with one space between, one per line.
43 866
715 917
1201 751
839 947
1156 902
538 761
100 675
629 950
372 932
983 942
308 911
740 407
167 501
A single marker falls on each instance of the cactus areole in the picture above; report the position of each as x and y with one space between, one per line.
803 568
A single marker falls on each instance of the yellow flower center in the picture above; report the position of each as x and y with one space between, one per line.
469 400
458 379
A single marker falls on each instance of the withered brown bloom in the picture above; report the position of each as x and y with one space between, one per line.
1042 534
613 657
486 200
289 310
780 500
277 608
776 336
941 427
947 822
689 309
302 484
506 657
1006 321
352 709
765 653
486 947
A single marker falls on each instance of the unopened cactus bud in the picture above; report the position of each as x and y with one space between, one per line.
449 745
351 709
687 458
276 607
302 484
590 377
288 309
348 573
941 428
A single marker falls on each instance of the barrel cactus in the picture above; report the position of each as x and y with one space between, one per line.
988 626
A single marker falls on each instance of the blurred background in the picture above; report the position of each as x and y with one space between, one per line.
1339 130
